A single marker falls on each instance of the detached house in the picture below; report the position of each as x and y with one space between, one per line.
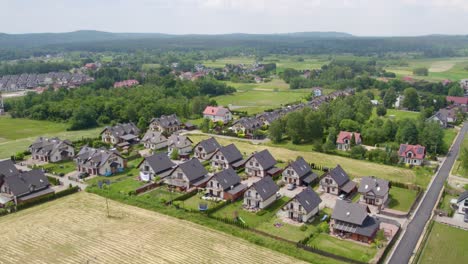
457 100
337 182
412 154
261 194
227 157
155 165
20 187
303 206
444 117
352 220
246 125
205 149
99 161
51 150
188 175
121 135
226 185
217 114
374 191
462 203
343 141
154 140
318 91
166 124
179 143
261 164
299 173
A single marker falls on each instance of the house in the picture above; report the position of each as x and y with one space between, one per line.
205 149
182 144
408 79
155 165
444 117
51 150
260 194
227 157
299 173
343 141
266 118
99 161
374 191
446 82
246 125
121 135
188 175
226 185
457 100
352 220
217 114
462 203
261 164
412 154
337 182
166 124
20 187
303 206
154 140
464 84
126 83
318 91
399 102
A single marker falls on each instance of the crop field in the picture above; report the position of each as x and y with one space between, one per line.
75 229
439 69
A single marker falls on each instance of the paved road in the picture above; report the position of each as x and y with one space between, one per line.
407 245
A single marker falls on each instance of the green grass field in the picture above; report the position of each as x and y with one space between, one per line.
285 230
401 114
445 244
401 199
163 193
457 168
60 167
278 84
220 63
439 69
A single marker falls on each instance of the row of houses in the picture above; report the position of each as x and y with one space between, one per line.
9 83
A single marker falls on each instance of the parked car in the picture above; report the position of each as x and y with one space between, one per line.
83 175
291 186
342 197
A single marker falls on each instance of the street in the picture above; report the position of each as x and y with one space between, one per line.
407 245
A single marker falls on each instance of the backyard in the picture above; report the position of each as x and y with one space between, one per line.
62 167
401 199
445 244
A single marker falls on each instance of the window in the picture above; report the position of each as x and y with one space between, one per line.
291 206
300 207
251 163
256 164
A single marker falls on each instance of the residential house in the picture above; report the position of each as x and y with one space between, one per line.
412 154
318 91
121 135
226 185
188 175
337 182
266 118
457 100
205 149
374 191
261 194
303 206
462 203
464 84
19 187
166 124
246 125
261 164
217 114
182 144
155 165
51 150
154 140
227 157
444 117
352 220
99 161
299 173
126 83
344 139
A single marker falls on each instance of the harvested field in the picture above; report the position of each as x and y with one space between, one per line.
75 229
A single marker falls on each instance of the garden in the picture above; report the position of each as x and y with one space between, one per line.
401 199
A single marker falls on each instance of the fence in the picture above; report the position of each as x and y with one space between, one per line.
328 254
389 247
146 187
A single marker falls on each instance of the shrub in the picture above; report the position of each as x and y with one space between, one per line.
303 228
324 228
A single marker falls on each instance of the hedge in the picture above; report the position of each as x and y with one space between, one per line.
47 198
53 181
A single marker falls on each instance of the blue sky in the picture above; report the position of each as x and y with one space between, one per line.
358 17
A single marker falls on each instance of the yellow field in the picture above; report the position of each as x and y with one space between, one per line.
75 229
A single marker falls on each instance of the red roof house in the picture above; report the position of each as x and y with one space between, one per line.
408 79
343 140
457 100
217 113
412 154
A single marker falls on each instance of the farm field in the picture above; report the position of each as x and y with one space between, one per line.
439 69
220 63
401 199
445 244
75 229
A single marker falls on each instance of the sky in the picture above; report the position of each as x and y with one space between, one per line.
358 17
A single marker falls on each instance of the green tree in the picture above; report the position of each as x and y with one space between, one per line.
275 131
295 127
175 154
314 127
421 71
381 110
205 125
350 125
407 132
389 98
411 100
358 152
455 90
432 137
84 117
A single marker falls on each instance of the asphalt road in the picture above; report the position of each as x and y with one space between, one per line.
407 245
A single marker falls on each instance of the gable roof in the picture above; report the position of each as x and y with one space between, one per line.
167 120
308 199
7 168
231 153
98 156
457 99
418 150
339 175
301 167
264 158
216 111
379 187
47 146
249 122
209 145
462 196
349 212
347 135
193 169
153 137
23 183
265 187
179 141
121 130
159 162
227 178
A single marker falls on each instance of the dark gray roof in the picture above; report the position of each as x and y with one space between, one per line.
159 162
27 182
339 175
301 167
7 168
264 158
308 199
167 121
368 227
379 187
121 130
227 178
462 196
193 169
349 212
209 145
266 187
231 153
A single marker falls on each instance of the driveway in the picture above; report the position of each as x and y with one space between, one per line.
290 193
457 220
64 180
328 200
251 180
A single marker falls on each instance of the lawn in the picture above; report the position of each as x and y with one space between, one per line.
445 202
163 193
445 244
343 248
401 199
286 231
457 168
126 185
130 172
194 201
60 167
439 69
449 136
401 114
251 219
275 83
